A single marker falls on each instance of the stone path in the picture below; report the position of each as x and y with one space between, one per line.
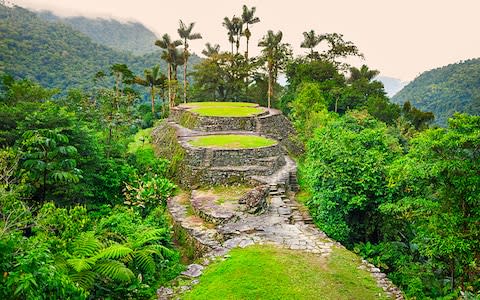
281 224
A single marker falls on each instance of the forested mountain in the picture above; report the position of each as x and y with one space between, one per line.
127 36
56 55
445 90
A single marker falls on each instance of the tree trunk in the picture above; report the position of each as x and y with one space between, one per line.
270 89
169 78
185 76
152 91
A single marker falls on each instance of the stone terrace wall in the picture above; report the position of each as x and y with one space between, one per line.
223 166
212 124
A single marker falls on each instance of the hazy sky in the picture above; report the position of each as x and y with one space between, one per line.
401 38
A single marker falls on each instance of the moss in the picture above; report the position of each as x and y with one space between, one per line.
188 120
166 145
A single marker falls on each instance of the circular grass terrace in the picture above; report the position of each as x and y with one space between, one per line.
224 109
231 141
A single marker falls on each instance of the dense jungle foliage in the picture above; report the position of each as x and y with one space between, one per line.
82 194
381 182
124 36
57 56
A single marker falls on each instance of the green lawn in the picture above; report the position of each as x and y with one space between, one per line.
232 141
217 104
225 109
267 272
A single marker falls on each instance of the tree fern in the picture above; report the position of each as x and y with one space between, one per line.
86 245
148 236
114 269
114 251
144 260
80 264
84 279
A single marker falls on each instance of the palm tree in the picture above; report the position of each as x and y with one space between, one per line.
248 18
310 40
363 73
235 30
152 78
210 50
169 47
228 24
186 34
276 55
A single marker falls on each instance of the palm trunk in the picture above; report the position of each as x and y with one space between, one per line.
152 91
270 89
169 78
185 77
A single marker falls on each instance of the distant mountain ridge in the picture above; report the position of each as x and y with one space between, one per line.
56 55
445 90
126 36
392 85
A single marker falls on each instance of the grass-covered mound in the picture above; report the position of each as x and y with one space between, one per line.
266 272
232 141
224 109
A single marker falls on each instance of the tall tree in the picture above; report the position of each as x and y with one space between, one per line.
248 18
276 55
338 48
311 40
228 24
152 78
186 34
210 50
234 27
169 47
363 73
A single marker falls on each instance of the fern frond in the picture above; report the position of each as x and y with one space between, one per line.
61 263
86 245
161 251
84 279
115 270
114 251
148 236
144 260
79 264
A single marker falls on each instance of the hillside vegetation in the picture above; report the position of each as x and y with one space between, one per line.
56 55
445 90
125 36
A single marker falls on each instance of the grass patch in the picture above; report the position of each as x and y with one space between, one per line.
232 141
219 104
267 272
302 197
142 139
227 111
227 193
